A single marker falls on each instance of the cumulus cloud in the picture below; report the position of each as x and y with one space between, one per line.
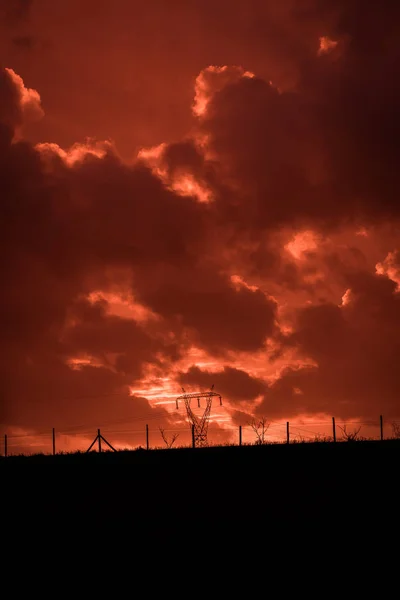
390 267
80 220
354 347
210 81
76 153
29 99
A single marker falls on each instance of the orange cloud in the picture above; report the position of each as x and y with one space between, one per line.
181 181
302 243
390 267
225 254
77 152
210 81
326 45
29 99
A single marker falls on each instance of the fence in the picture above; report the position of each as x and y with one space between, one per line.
259 431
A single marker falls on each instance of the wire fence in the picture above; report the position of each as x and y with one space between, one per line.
119 436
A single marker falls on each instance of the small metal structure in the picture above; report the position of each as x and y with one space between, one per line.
199 424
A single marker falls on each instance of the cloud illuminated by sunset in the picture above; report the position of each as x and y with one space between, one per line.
209 197
326 45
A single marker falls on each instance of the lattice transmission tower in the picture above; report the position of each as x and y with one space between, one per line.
199 423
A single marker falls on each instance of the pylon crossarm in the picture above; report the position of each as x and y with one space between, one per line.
198 395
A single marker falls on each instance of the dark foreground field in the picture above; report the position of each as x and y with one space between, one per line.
184 491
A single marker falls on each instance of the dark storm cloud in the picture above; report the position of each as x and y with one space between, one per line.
317 148
325 154
355 348
57 250
222 318
233 384
325 150
71 221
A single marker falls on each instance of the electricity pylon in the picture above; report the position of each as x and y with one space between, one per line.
199 424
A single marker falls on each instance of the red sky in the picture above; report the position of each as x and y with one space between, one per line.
198 193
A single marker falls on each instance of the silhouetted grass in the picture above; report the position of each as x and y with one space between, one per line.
319 448
181 490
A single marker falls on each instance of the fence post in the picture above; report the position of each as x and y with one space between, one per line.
193 440
287 432
99 439
5 445
381 423
240 435
334 429
54 441
147 437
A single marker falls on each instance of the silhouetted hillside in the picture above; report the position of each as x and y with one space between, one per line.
292 485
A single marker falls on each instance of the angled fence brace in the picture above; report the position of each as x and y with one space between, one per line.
98 439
